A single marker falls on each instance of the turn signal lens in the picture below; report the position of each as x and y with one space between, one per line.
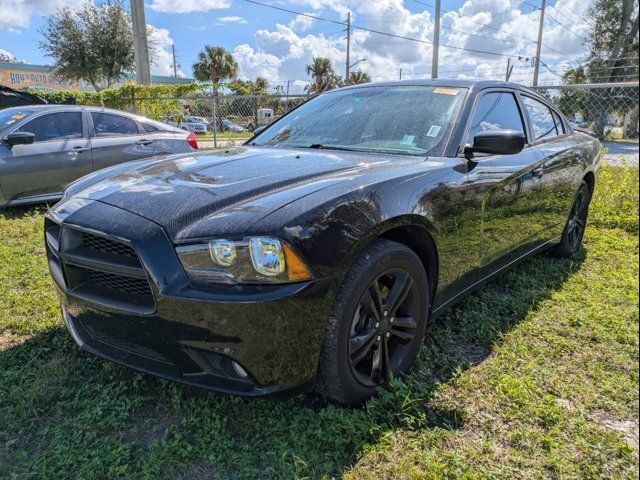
297 270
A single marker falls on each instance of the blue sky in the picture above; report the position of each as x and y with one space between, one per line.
278 45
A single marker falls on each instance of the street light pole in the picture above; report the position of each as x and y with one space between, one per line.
346 78
140 45
436 42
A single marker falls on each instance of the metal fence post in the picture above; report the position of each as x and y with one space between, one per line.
215 120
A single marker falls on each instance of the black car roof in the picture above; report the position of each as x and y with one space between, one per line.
445 82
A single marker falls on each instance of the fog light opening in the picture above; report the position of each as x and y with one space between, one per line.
241 372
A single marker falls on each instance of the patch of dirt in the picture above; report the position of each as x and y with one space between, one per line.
627 428
470 352
8 340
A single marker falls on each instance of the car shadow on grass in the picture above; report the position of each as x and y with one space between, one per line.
102 420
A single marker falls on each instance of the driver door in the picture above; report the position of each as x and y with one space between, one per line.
60 154
514 197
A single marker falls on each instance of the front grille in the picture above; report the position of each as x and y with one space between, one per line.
105 245
98 269
121 283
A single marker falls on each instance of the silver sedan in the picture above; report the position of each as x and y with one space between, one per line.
43 148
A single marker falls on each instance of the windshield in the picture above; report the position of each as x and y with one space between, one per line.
410 120
11 116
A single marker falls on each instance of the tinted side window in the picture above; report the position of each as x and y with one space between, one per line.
149 127
108 124
544 125
55 126
496 111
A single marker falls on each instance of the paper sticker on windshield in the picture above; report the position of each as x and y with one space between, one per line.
409 139
17 116
433 131
446 91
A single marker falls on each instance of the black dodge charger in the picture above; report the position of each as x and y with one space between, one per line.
317 254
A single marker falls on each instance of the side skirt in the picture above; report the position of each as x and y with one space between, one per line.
480 283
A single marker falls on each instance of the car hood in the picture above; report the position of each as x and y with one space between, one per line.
230 189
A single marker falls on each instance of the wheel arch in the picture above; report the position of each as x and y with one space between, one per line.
412 231
590 178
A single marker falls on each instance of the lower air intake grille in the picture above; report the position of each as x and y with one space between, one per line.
133 286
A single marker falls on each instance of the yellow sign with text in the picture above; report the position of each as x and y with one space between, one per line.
18 78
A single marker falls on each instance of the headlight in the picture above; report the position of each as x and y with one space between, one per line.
252 260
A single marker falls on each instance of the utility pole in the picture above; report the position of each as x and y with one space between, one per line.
536 67
509 69
140 46
436 42
400 73
175 65
346 77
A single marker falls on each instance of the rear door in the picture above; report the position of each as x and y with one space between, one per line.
563 165
117 139
60 154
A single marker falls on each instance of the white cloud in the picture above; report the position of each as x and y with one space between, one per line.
500 27
162 56
6 56
302 23
16 14
188 6
232 19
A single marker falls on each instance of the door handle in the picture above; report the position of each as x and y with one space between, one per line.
144 142
78 149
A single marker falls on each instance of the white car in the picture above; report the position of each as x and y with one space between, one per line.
190 124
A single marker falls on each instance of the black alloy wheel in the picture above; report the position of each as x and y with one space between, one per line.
383 326
576 223
376 323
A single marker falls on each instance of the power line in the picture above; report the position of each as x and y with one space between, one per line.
378 32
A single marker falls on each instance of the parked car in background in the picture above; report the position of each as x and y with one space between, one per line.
230 126
43 148
317 254
189 123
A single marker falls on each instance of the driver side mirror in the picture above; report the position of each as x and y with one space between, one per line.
497 142
259 130
20 138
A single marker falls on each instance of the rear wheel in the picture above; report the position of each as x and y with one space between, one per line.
576 223
376 324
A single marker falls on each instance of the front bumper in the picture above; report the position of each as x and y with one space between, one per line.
177 331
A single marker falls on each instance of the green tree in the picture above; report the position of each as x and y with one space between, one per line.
93 43
613 57
322 74
358 77
215 65
249 87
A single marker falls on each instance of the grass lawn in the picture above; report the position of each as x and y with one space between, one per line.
224 136
534 376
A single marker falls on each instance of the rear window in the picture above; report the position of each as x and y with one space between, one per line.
108 124
149 128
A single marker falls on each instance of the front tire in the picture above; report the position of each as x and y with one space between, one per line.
376 324
576 223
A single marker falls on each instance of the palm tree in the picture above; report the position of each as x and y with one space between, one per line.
215 64
323 76
358 77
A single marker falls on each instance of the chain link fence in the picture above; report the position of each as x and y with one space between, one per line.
220 121
610 110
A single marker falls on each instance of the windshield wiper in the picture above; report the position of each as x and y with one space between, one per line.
320 146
